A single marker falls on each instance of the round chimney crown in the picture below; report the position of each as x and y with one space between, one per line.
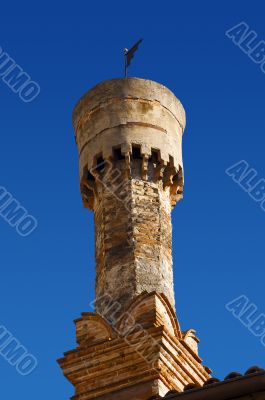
126 113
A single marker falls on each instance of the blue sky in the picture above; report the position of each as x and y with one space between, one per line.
218 236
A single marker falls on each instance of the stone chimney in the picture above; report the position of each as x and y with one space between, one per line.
129 136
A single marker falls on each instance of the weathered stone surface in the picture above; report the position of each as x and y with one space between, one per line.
122 112
129 135
133 235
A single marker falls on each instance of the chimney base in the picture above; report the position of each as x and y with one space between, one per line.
140 355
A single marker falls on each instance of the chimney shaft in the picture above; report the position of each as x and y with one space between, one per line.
129 136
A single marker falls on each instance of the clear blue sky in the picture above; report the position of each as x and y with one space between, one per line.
218 237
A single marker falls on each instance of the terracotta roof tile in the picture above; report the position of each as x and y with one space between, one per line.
233 385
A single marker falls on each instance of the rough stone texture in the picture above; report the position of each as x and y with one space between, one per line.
133 235
122 112
129 134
